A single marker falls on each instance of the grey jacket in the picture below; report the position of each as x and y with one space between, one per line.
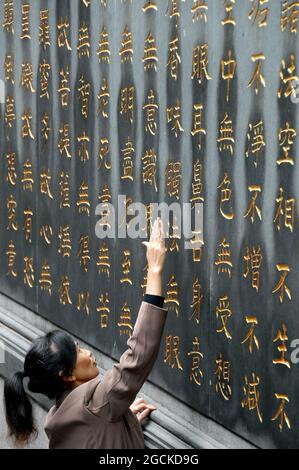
96 415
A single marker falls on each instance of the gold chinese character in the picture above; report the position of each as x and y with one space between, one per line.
174 10
149 168
199 10
44 29
103 98
65 245
11 206
253 208
64 89
257 76
26 80
11 259
253 261
62 37
104 310
256 141
150 5
198 129
126 50
9 68
197 185
289 15
83 203
196 355
224 261
223 378
103 51
174 179
11 175
150 58
225 198
282 348
64 291
126 268
28 272
45 128
229 6
281 414
64 141
83 252
252 395
45 180
127 153
83 153
224 311
103 154
26 127
84 92
125 322
25 10
151 107
286 209
174 117
200 62
44 69
259 12
288 78
252 321
174 59
281 286
228 70
103 262
27 178
197 298
172 295
45 280
226 135
286 141
10 115
46 233
197 246
172 352
83 46
27 228
127 100
8 23
105 198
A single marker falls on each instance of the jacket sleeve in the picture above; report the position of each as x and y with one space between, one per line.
113 396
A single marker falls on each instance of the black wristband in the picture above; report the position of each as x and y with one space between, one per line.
156 300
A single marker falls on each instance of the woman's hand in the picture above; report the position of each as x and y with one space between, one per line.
156 248
141 409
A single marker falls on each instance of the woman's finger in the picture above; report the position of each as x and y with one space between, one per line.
162 229
154 233
142 406
143 415
139 400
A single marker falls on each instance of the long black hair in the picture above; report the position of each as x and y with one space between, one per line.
49 357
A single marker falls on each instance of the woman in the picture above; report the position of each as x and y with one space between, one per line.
89 413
